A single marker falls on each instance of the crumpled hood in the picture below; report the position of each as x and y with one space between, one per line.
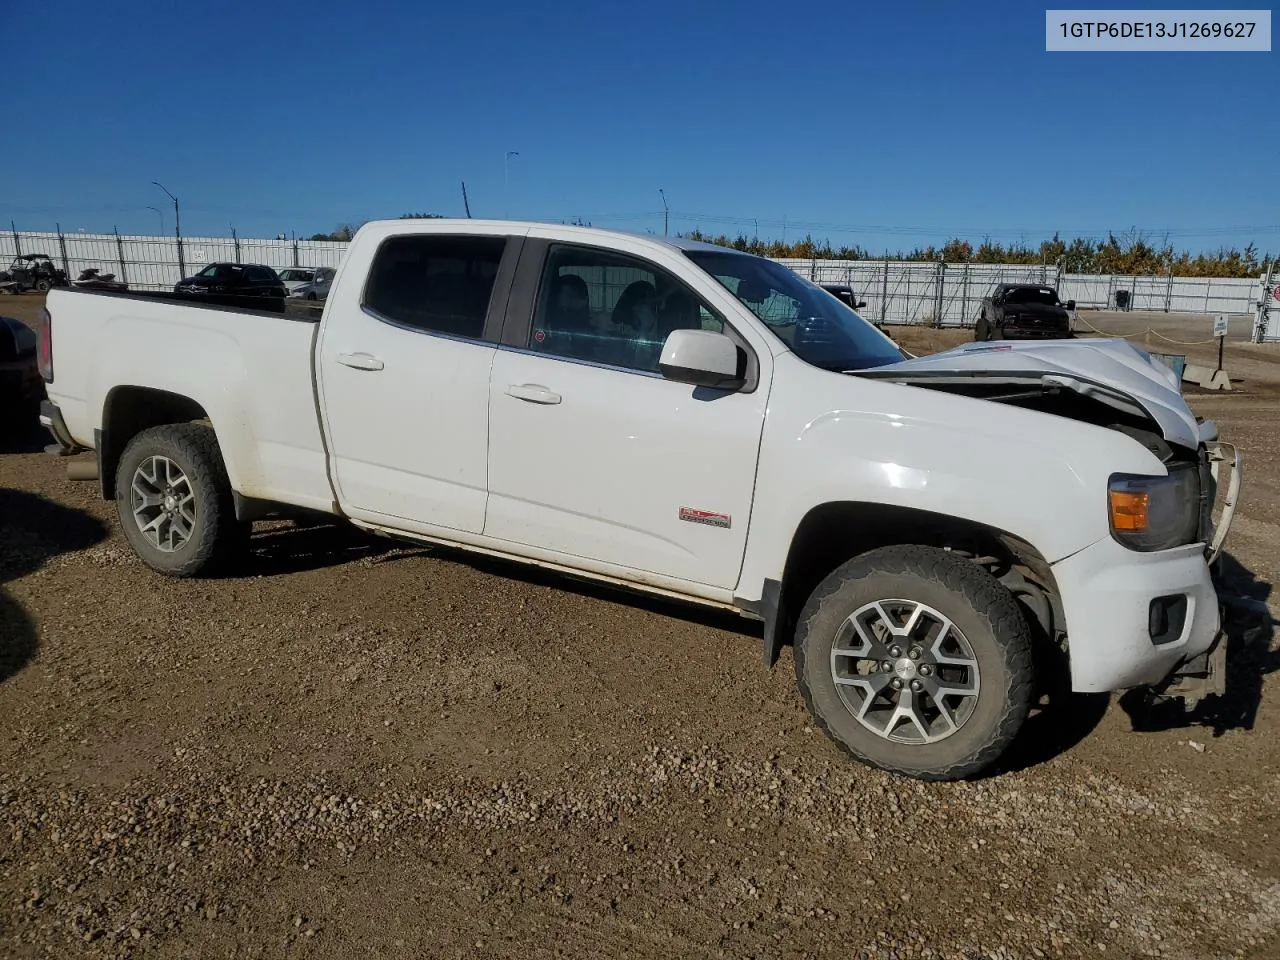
1114 372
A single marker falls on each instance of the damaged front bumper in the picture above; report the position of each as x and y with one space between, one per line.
1154 620
1205 674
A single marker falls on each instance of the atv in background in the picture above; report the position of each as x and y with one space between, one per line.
32 271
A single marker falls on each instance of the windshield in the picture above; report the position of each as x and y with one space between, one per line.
221 271
818 328
301 275
1041 295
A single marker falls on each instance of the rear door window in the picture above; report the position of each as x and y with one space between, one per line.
435 283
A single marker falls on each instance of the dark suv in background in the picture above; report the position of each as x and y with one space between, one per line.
235 284
844 293
1024 310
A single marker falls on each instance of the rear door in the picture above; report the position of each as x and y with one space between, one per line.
404 370
592 453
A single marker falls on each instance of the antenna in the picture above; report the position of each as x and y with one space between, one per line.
465 202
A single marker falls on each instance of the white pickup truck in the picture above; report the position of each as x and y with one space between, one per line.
940 539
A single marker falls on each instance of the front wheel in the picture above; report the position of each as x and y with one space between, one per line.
43 285
174 500
916 661
982 330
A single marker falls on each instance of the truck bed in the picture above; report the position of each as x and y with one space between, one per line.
250 370
267 306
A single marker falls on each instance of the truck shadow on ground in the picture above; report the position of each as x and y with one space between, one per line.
1250 629
1056 724
312 544
33 530
652 603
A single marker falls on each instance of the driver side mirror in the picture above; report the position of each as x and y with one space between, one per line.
703 358
1071 304
859 304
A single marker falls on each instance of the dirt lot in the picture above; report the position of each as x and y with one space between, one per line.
353 749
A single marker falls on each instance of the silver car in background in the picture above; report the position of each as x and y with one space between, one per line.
307 283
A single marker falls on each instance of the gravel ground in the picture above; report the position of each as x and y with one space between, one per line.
353 748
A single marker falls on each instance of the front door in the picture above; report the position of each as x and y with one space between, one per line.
592 453
404 376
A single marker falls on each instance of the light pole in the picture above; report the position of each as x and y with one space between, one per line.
160 214
506 161
177 227
664 211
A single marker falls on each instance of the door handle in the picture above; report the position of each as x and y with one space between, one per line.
360 361
533 392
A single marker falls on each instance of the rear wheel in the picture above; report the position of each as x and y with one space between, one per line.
174 501
916 661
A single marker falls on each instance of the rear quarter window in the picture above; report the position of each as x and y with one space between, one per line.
435 283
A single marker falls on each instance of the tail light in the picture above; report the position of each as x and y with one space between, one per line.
44 345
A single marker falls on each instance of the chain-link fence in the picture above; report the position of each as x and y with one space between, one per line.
895 292
157 263
951 294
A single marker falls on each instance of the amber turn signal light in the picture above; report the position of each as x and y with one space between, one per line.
1129 510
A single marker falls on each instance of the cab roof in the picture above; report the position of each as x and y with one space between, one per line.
584 233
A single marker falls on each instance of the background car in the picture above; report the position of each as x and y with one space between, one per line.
1024 310
232 283
844 293
308 283
21 387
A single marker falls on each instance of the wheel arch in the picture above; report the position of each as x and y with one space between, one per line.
126 412
832 533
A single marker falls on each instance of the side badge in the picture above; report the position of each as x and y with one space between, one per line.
706 516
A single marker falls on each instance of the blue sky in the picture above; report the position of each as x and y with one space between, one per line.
889 124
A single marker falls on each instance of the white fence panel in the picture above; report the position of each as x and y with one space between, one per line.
1234 295
895 291
908 291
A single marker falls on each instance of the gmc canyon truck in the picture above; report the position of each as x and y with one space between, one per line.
940 539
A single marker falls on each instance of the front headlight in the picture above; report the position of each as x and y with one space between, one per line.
1155 513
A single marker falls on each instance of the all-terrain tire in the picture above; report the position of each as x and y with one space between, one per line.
216 536
982 329
977 604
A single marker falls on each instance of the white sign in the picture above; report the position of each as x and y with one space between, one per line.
1220 325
